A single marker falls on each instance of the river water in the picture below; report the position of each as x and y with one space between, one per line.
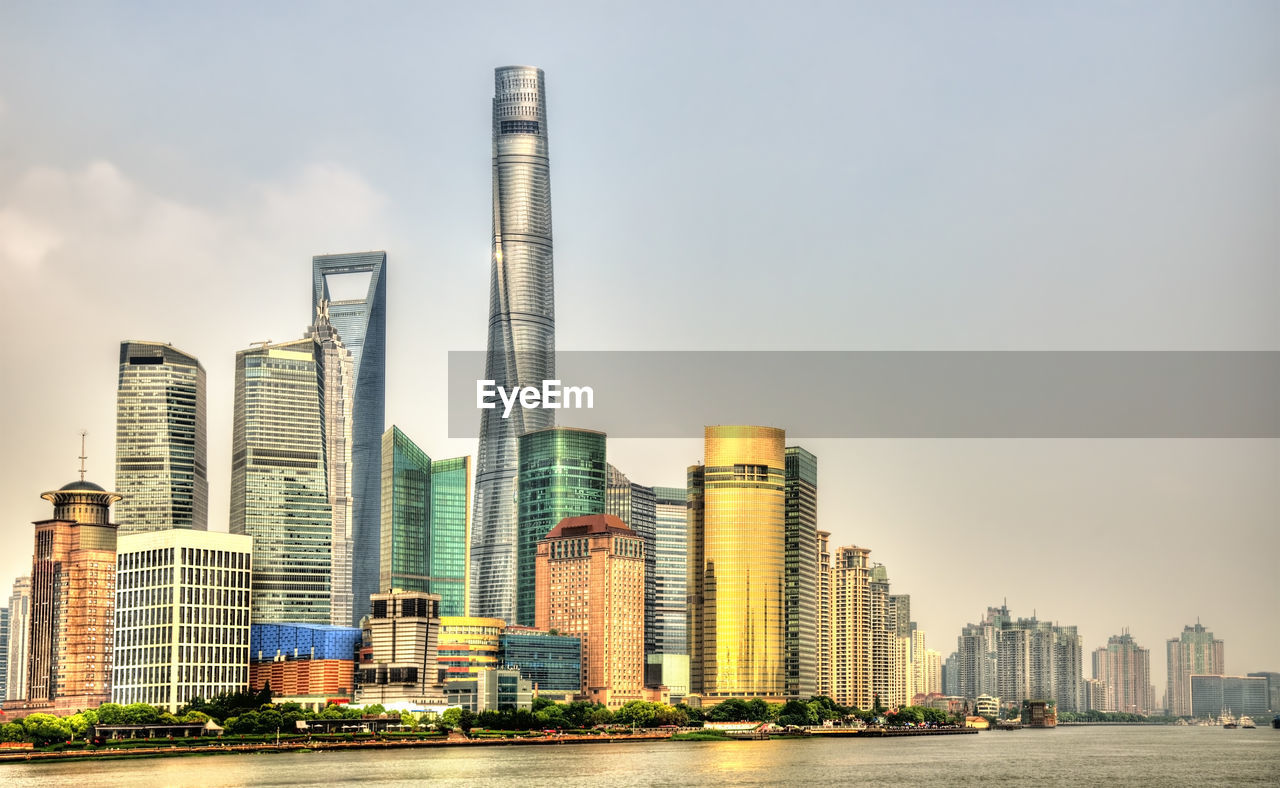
1102 755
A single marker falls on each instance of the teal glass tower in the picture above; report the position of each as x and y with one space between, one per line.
355 288
160 439
800 572
279 494
424 523
562 473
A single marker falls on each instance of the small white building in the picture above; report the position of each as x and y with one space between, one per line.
182 616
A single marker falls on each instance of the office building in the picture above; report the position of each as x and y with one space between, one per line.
337 398
562 473
1195 651
737 549
279 491
851 628
181 616
403 637
308 664
521 328
882 638
668 663
1213 695
801 572
355 288
160 439
73 589
492 689
590 584
1273 688
636 505
19 639
468 645
1125 668
552 663
449 564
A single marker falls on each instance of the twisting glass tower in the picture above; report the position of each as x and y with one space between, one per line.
521 347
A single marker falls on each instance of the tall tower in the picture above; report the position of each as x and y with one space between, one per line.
19 634
1196 650
160 439
635 505
736 573
279 494
522 328
73 591
355 287
802 572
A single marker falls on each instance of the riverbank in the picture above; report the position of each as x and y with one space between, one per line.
216 747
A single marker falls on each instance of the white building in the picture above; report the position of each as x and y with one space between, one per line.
182 616
19 638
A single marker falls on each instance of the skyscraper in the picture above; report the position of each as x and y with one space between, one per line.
563 473
851 628
1194 651
824 622
355 288
668 664
590 583
521 342
160 439
801 572
279 494
635 505
337 384
737 552
19 634
424 523
4 652
73 590
1125 668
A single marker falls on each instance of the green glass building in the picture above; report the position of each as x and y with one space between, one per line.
562 473
279 494
801 572
425 526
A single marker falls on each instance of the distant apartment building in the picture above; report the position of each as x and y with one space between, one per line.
1195 651
851 627
590 584
19 639
824 622
161 469
1125 668
403 634
181 616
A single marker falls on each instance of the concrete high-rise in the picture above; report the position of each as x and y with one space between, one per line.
562 473
181 617
355 288
737 577
337 392
19 638
851 628
824 622
1125 668
403 634
279 492
521 332
590 584
160 439
1195 651
424 522
73 591
801 572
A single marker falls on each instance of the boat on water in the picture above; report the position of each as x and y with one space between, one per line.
1226 720
1275 721
1246 721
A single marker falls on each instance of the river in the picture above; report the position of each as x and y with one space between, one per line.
1102 755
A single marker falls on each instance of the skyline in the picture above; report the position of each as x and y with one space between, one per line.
1084 174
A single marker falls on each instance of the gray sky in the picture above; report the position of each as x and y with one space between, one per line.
907 176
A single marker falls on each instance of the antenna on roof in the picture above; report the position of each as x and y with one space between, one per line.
83 456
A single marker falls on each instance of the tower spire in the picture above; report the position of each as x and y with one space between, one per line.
83 456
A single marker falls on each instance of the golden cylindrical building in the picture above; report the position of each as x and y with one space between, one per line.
736 565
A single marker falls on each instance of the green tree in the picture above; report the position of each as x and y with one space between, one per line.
45 729
797 712
111 714
541 702
12 731
637 713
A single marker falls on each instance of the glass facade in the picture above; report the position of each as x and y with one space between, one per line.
552 662
636 506
802 572
424 522
279 494
671 565
562 474
737 572
468 646
160 439
521 341
338 382
361 323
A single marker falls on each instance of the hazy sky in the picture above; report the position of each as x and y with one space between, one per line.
740 175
